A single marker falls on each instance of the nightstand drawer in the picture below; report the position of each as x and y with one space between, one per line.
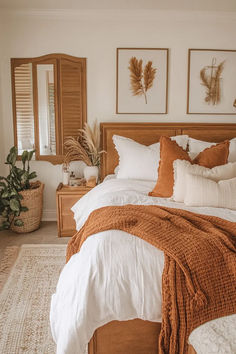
66 203
68 227
67 222
66 198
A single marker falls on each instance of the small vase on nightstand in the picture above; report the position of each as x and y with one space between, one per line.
65 173
91 171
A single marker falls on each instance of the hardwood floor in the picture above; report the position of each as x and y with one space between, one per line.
47 233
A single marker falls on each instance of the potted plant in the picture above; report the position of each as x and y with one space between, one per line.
86 148
20 200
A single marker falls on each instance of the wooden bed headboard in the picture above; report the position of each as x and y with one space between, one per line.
149 133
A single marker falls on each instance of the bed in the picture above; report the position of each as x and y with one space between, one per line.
139 335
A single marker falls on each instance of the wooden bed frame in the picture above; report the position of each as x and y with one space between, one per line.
138 336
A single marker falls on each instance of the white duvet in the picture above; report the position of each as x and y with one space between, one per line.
117 276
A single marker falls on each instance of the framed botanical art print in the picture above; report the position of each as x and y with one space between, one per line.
142 80
211 81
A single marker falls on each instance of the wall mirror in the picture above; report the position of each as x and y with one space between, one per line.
49 103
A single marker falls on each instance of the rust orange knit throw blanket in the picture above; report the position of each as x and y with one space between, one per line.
199 276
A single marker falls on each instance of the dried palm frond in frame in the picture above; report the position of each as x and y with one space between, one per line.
211 81
142 81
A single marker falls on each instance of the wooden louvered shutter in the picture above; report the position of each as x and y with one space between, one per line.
24 107
72 96
51 107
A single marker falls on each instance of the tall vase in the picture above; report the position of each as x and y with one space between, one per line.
91 171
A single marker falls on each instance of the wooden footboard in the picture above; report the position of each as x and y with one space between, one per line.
127 337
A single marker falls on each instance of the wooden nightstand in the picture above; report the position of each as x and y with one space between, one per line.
66 198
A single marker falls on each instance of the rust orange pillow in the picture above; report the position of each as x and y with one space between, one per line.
215 155
170 151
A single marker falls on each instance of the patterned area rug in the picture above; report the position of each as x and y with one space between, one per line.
25 298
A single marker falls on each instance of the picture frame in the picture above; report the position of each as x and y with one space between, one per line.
211 85
142 80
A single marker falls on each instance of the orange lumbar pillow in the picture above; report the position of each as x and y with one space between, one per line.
170 151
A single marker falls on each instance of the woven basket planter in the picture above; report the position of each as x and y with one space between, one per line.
33 200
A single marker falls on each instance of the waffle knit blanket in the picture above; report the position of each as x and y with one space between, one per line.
199 276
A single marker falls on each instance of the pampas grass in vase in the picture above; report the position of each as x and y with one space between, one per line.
86 148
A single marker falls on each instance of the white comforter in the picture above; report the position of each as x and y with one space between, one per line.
117 276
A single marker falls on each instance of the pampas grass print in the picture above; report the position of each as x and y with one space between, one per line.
141 80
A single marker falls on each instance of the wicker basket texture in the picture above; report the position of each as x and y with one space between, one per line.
33 200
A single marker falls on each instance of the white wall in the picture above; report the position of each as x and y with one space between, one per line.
1 139
200 5
2 167
96 35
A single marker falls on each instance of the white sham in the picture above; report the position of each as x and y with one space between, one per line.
138 161
205 192
182 168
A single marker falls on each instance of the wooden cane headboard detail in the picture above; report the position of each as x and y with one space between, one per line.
149 133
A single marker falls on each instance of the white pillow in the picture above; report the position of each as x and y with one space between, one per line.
137 161
182 168
201 191
196 146
181 140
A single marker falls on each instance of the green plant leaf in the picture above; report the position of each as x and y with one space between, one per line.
8 159
6 225
13 150
14 205
5 202
11 158
24 156
14 159
17 213
13 192
17 185
19 171
24 209
30 154
32 175
5 194
4 213
24 177
2 209
18 222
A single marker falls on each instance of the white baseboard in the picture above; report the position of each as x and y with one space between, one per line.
49 215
